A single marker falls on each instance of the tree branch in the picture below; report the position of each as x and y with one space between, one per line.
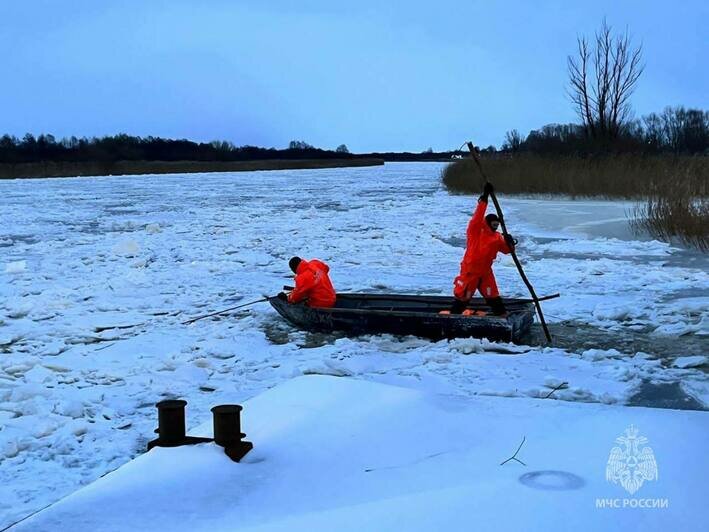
514 456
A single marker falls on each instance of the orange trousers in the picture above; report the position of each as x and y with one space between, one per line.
465 285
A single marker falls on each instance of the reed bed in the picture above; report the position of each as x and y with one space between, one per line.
674 190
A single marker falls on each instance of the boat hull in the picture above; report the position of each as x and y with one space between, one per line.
397 314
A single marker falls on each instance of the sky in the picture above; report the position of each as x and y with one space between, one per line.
374 75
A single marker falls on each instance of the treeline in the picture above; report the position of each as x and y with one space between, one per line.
122 147
130 148
676 130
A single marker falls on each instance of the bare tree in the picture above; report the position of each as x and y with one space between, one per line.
299 145
602 77
513 141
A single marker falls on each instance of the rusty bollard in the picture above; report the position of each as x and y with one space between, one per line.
227 431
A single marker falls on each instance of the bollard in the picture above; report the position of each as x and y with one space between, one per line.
227 424
227 431
171 426
171 421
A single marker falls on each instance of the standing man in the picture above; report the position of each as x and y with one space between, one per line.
483 244
311 283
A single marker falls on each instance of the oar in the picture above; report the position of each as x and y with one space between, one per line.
535 299
543 298
226 310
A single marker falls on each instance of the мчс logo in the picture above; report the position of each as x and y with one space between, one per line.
629 464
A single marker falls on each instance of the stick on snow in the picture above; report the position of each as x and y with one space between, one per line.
514 456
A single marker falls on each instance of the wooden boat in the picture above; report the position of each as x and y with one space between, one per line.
410 315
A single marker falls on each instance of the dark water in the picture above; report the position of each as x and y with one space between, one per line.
577 337
665 395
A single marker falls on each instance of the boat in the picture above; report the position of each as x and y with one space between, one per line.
417 315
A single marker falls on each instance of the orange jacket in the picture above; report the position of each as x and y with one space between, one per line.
483 244
312 283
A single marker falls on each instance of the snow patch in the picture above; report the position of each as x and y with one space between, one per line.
126 248
690 362
678 328
615 312
19 266
328 367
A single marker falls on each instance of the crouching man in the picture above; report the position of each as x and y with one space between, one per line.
312 284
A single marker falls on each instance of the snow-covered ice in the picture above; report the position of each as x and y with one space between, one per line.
96 275
16 267
691 362
342 454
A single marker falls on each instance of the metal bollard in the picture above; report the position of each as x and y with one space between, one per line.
227 431
171 426
227 424
171 422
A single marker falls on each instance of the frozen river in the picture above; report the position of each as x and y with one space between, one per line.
96 275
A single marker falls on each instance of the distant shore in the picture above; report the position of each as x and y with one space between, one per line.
90 168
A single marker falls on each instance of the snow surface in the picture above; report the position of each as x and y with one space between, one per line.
96 275
342 454
690 362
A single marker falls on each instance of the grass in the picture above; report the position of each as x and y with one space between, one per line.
677 207
72 169
674 190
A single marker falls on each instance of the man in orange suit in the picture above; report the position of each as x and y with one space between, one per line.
483 245
312 283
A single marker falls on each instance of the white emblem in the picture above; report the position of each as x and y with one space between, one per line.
629 464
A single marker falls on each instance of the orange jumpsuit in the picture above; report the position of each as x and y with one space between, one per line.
483 244
312 283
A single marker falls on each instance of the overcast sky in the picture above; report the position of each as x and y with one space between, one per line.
373 75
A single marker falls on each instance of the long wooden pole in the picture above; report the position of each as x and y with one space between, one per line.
535 299
225 310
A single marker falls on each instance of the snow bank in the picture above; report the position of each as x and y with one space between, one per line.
340 454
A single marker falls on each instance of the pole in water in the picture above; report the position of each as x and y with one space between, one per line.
225 310
535 299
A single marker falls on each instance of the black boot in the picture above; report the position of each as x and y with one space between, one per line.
458 306
497 306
